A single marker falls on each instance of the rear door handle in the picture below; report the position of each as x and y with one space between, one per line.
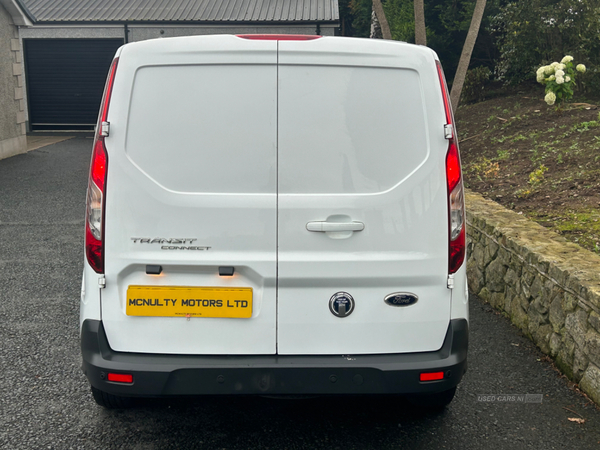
335 226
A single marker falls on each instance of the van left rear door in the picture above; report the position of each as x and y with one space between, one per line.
191 188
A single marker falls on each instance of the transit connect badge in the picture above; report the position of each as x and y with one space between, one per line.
341 304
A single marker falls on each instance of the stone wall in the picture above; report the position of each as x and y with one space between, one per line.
549 287
12 103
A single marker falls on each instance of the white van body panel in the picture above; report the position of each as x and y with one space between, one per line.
372 153
238 144
89 306
460 295
181 167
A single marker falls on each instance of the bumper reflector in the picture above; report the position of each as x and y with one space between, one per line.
431 376
120 377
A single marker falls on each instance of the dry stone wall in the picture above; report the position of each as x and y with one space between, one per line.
549 287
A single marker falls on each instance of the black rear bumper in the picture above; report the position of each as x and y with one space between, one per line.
173 375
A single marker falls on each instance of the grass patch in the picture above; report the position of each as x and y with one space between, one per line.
535 160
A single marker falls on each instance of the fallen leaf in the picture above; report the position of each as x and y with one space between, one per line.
576 420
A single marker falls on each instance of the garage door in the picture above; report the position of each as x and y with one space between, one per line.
65 80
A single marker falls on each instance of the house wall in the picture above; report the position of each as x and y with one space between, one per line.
140 33
12 104
143 32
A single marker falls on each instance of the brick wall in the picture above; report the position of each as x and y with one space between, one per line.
12 103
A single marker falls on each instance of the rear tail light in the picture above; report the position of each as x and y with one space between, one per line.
94 221
95 208
456 202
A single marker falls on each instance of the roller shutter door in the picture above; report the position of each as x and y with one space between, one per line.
65 80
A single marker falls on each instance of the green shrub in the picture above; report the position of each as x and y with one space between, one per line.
559 79
476 81
534 31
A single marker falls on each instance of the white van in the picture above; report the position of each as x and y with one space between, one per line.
274 215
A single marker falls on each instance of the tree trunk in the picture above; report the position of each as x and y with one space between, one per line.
385 27
420 33
465 57
375 27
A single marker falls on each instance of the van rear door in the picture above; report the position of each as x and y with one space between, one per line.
362 209
191 187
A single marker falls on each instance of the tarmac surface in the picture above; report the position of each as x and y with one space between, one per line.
45 401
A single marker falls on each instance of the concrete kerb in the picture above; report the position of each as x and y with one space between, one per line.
549 287
34 141
24 144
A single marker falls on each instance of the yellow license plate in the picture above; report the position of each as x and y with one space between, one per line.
180 301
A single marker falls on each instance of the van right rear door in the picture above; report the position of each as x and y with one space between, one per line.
362 201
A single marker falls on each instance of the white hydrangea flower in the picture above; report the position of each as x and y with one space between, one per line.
567 79
561 67
548 70
559 73
580 68
560 80
567 59
554 65
550 98
551 78
539 75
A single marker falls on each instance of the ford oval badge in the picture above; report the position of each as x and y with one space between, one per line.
401 299
341 304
